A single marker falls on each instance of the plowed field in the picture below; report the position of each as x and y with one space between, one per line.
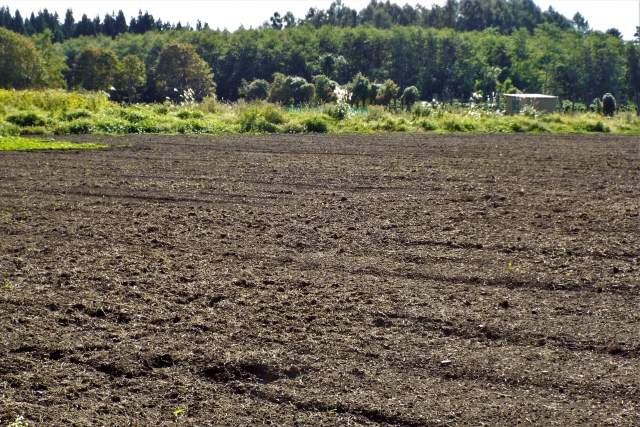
393 280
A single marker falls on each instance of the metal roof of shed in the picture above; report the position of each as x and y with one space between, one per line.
529 95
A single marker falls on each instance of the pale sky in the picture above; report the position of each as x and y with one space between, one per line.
601 14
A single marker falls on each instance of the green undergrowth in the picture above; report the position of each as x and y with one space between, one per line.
17 143
58 112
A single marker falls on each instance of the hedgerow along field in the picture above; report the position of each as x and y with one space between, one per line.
392 280
58 112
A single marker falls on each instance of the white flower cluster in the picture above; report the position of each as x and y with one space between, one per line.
189 99
342 94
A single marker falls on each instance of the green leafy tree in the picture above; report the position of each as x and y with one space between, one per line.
614 32
281 90
21 65
633 73
410 96
130 77
276 21
69 25
54 60
94 69
256 90
387 92
608 105
180 68
290 90
373 92
359 88
580 23
325 89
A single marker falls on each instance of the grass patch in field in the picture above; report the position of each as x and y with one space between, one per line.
16 143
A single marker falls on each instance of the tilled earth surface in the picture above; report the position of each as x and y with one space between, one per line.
395 280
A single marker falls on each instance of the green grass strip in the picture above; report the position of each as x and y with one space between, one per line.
16 143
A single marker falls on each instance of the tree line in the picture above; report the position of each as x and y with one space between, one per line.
462 15
533 53
111 25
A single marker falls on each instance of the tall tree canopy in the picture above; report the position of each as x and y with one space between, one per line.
94 69
180 68
21 65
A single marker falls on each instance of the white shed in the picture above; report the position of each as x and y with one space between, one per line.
540 102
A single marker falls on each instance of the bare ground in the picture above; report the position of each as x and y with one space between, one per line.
322 280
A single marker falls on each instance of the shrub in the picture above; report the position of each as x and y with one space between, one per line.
427 125
453 125
81 126
529 111
596 106
132 115
597 127
422 111
339 111
374 113
209 104
516 126
113 126
252 121
75 114
294 127
193 126
537 127
389 125
162 110
34 130
9 129
256 90
316 124
273 114
608 105
27 119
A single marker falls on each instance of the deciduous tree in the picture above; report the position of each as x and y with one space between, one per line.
54 60
130 77
94 69
359 88
387 92
410 96
21 65
256 90
179 68
290 90
325 89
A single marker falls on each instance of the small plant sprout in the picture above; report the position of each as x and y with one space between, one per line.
177 413
19 422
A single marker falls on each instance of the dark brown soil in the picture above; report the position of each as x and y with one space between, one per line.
396 280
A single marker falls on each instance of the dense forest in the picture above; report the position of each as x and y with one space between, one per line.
443 52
